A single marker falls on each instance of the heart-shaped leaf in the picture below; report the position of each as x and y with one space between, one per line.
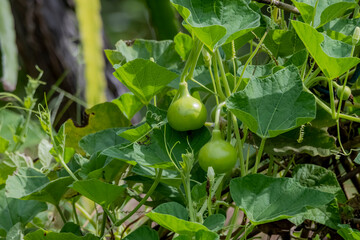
332 56
144 78
273 105
14 210
98 191
216 22
320 12
30 184
267 199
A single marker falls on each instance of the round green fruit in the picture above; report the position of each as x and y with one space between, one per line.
186 113
218 154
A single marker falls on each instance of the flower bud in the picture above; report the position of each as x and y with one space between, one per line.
356 36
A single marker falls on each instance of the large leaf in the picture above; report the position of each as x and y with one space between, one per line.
143 233
14 210
327 214
342 29
101 116
109 137
267 199
317 177
129 104
90 26
10 64
320 12
152 152
315 142
144 78
163 52
175 224
30 184
282 43
217 22
46 235
332 56
273 105
98 191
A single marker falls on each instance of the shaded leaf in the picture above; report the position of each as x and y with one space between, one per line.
215 222
101 116
46 235
14 210
183 45
174 209
143 233
267 199
100 192
30 184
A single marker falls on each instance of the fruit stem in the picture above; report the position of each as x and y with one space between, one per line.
217 115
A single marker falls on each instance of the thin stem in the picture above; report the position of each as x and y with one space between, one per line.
217 81
232 223
209 200
248 230
199 45
103 225
229 126
75 212
332 103
271 165
68 170
239 145
214 85
310 70
217 115
216 186
344 86
61 213
222 73
259 154
148 194
187 65
189 200
339 136
248 61
86 214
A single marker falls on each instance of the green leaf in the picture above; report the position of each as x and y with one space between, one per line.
175 224
15 233
342 29
282 43
316 142
144 78
71 227
143 233
102 116
322 12
6 169
30 184
259 71
183 45
46 235
357 159
215 222
217 22
109 137
4 144
9 50
348 233
161 51
273 105
297 59
267 199
319 178
90 26
14 210
206 235
129 104
44 154
135 133
174 209
327 215
100 192
169 177
320 46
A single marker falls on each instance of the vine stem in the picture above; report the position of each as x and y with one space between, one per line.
332 100
86 215
232 223
258 156
148 194
239 145
249 60
103 225
61 213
